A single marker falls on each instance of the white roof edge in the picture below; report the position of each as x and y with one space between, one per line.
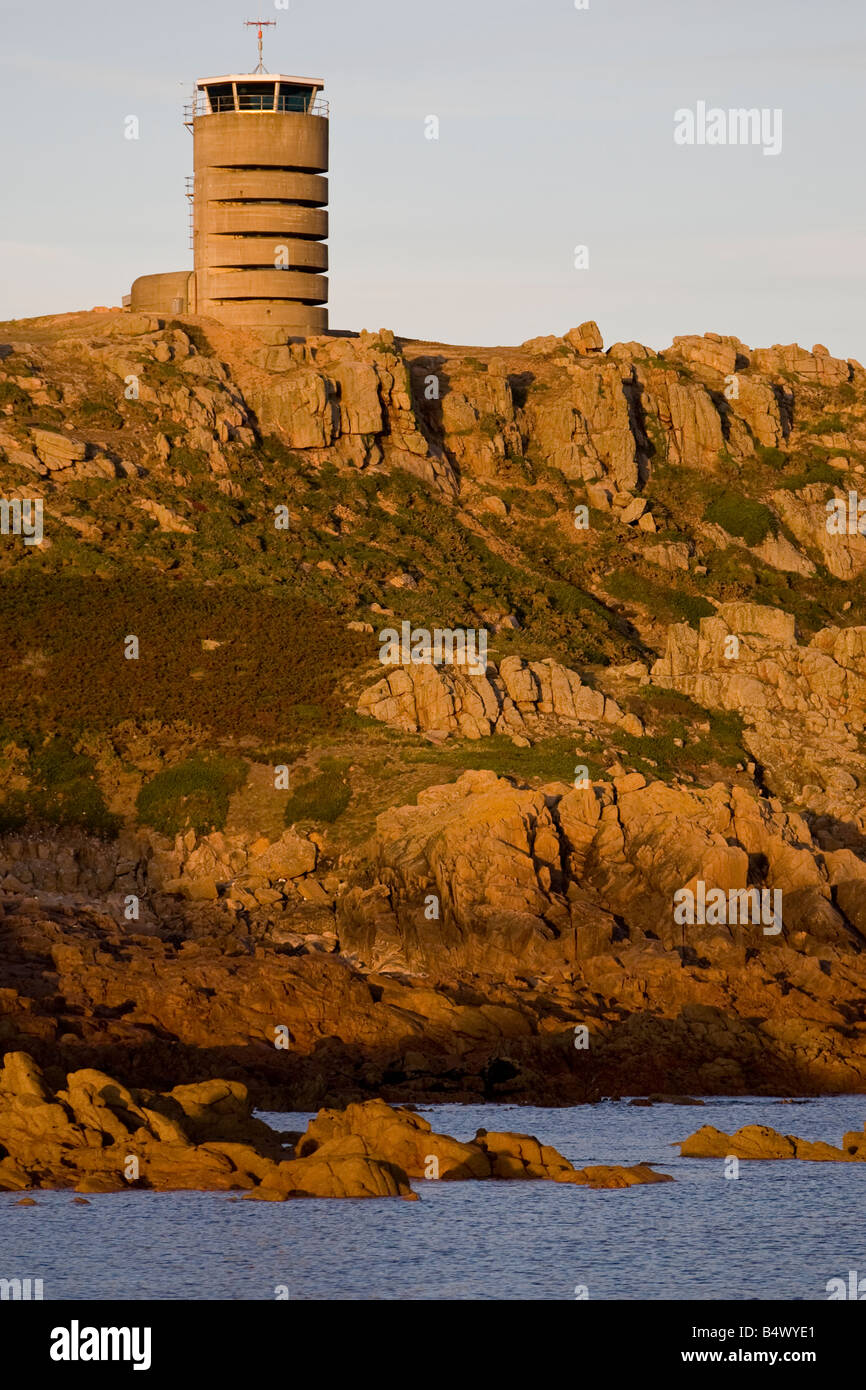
262 77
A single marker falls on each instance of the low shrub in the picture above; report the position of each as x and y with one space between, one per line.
323 797
192 795
742 516
63 791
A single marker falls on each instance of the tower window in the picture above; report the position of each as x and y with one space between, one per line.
291 98
221 97
256 96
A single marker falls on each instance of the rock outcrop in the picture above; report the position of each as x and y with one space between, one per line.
761 1142
805 514
523 1016
353 399
803 704
535 879
514 699
96 1135
408 1141
272 881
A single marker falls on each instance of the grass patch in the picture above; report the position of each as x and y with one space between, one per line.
741 516
194 795
663 601
675 717
529 502
12 394
323 797
549 760
100 413
196 335
828 424
817 470
770 456
63 791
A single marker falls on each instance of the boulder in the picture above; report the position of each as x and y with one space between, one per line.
343 1167
291 856
399 1136
586 338
761 1142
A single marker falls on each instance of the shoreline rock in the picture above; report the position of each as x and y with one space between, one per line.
762 1142
97 1135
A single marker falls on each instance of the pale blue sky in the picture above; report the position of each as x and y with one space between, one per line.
556 129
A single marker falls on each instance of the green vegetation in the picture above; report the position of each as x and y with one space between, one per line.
741 516
192 460
817 470
24 408
517 468
770 457
100 413
677 495
828 424
163 373
243 628
530 502
63 791
548 760
464 573
196 335
670 716
816 601
192 795
663 601
323 797
12 394
275 451
659 441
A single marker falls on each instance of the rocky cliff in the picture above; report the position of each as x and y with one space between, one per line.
242 835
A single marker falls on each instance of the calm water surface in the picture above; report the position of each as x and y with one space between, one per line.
781 1230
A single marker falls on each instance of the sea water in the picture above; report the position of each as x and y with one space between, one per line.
780 1230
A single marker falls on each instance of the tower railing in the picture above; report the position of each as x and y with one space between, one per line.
301 106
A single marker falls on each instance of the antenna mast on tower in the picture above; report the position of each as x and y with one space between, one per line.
259 25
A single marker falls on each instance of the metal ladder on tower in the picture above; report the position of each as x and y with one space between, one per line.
190 196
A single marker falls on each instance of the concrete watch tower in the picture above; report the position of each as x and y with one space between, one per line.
259 199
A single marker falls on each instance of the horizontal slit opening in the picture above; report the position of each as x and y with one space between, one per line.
305 269
257 299
261 236
313 173
263 203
